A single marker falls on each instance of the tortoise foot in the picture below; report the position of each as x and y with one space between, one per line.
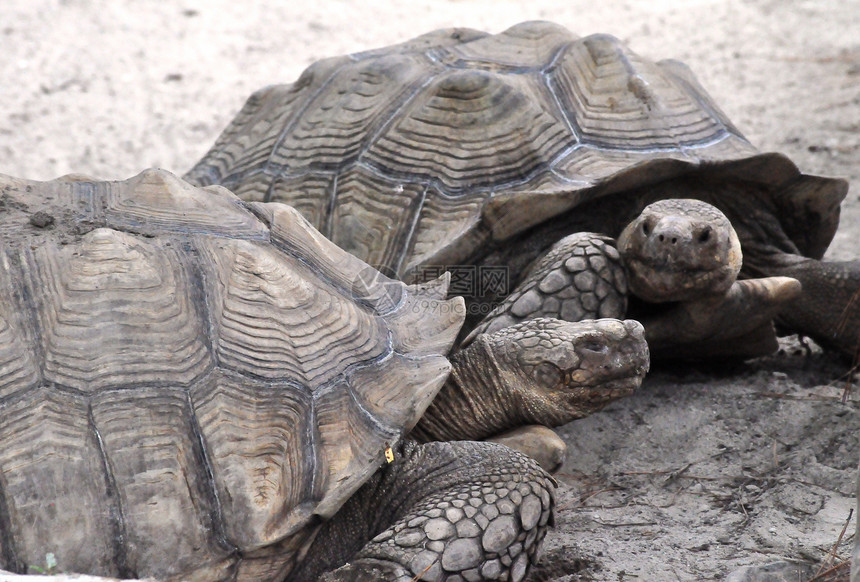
737 323
458 510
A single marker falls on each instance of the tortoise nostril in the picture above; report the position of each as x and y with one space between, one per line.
646 230
705 235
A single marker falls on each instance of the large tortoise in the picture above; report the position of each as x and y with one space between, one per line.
194 387
466 151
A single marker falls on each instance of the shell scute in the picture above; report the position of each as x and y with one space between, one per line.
114 310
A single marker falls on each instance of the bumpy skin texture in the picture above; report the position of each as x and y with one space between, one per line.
540 371
581 277
678 250
449 511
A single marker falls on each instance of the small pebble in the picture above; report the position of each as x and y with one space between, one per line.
41 219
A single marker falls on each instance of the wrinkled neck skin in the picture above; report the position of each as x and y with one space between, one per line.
474 403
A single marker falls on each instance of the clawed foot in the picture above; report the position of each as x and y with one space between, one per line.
737 323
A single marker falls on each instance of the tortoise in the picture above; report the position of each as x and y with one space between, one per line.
194 387
477 153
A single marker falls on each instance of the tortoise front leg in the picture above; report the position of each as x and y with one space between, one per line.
441 511
738 323
580 277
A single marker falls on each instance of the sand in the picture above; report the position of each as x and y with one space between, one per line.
707 468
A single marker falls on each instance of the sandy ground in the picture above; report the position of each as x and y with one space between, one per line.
706 469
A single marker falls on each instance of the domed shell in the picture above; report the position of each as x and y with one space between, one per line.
426 152
187 381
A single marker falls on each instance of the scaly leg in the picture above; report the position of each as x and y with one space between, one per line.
441 511
580 277
828 309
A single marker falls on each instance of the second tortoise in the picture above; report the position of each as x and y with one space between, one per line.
464 150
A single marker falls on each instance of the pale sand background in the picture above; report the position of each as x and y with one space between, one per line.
711 469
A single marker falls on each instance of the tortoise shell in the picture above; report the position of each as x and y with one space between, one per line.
189 382
430 152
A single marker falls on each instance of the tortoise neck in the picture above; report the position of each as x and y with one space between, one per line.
474 403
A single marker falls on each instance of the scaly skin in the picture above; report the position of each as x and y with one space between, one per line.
680 259
580 277
438 511
541 371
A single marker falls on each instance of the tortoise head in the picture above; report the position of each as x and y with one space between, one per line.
539 371
549 371
678 250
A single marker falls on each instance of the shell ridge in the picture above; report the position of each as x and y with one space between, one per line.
110 271
437 56
313 456
8 548
21 319
116 513
332 202
294 119
369 416
26 266
199 280
569 120
209 169
407 240
549 68
300 252
392 116
216 516
727 127
456 193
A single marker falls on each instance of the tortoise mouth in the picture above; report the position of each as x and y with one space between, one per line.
614 387
621 386
674 264
578 401
587 399
663 281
